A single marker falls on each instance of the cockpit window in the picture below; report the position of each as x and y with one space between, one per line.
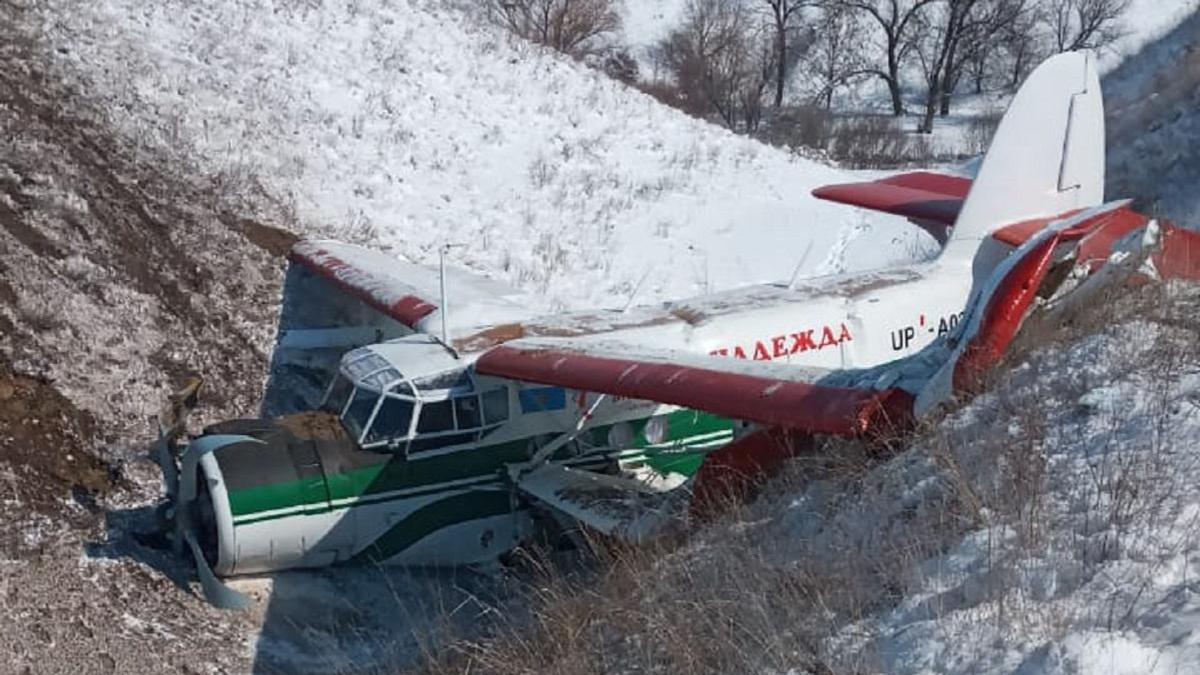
339 393
495 406
466 412
359 363
383 379
436 417
359 413
392 421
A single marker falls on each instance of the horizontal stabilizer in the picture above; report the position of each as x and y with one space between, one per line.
921 195
615 506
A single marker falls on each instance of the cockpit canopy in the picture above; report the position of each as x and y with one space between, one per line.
438 404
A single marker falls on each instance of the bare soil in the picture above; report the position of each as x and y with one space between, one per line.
120 271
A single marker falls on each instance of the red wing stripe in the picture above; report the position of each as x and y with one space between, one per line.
937 183
920 196
407 309
796 405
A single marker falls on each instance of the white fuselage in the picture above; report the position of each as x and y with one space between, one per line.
844 321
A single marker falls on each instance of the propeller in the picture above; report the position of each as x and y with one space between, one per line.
215 591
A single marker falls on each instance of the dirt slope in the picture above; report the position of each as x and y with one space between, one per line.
118 273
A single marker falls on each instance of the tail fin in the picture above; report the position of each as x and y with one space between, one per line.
1047 156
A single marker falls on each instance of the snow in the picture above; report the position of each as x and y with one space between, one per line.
407 126
1092 570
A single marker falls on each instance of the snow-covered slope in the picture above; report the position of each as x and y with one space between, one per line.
408 125
1051 526
1154 125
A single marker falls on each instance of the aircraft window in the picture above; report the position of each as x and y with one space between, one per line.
436 417
359 413
443 441
382 379
466 412
392 421
339 393
495 406
369 362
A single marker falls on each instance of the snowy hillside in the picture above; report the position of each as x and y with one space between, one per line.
1154 124
408 125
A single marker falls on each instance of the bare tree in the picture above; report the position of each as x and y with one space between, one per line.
1083 24
722 59
837 55
956 31
574 27
1019 41
897 20
981 56
784 15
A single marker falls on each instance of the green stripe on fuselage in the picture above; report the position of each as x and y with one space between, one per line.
355 487
470 505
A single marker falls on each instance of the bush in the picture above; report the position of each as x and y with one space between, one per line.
794 127
875 142
620 65
578 28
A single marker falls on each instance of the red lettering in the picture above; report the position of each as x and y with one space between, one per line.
719 352
777 348
845 336
827 339
802 342
760 352
738 352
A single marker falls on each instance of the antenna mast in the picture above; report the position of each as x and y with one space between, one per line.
445 304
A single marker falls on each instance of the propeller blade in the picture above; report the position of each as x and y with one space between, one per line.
170 470
217 593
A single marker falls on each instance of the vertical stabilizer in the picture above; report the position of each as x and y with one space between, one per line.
1047 156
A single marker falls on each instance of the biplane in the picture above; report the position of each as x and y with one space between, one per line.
397 431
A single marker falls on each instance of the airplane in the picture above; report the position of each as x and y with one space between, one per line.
395 431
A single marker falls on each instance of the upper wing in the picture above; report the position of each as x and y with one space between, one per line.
401 290
920 195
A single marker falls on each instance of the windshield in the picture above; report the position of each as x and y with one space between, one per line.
339 393
392 422
359 413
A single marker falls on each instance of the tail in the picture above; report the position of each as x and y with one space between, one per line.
1046 158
